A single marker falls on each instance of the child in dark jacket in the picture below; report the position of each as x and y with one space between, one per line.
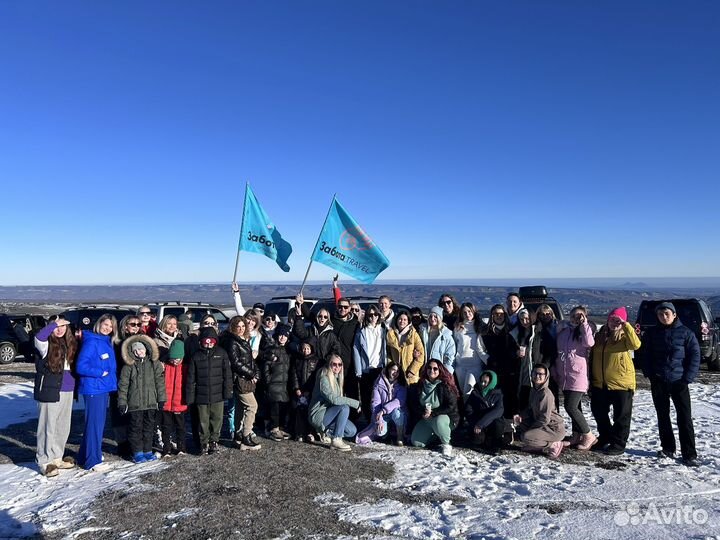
306 368
277 375
209 385
484 412
141 392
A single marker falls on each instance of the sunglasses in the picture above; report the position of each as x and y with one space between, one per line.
447 302
343 307
434 368
145 313
356 310
322 316
335 364
134 324
373 314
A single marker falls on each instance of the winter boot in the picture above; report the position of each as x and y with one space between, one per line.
150 456
214 447
204 450
553 450
276 435
400 436
586 441
64 463
50 470
139 457
340 445
249 444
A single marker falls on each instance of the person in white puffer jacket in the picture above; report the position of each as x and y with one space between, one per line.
471 354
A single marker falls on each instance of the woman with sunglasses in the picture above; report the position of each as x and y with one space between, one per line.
148 324
540 428
329 408
369 355
405 347
438 340
321 329
450 309
434 402
570 372
130 325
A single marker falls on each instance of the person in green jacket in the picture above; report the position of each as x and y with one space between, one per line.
141 393
329 408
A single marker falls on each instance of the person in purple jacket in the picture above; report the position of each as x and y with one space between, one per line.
97 369
570 372
54 387
387 405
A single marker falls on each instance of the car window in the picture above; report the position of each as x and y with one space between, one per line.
280 308
177 311
219 315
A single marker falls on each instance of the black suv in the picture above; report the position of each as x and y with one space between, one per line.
534 296
9 342
85 317
693 313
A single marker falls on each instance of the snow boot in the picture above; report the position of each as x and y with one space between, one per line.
586 441
139 457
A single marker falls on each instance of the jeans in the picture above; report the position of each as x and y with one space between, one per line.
397 417
336 421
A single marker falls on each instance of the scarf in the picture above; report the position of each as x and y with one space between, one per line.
428 395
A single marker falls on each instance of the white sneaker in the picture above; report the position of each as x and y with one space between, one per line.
446 450
101 468
339 444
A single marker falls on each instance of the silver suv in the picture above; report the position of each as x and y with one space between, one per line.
198 309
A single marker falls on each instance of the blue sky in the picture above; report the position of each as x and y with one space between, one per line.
469 139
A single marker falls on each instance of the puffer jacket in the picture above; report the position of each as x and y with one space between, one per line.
671 353
401 352
96 357
142 382
277 374
361 360
327 342
209 378
570 370
323 397
541 414
306 368
612 366
242 364
443 348
387 397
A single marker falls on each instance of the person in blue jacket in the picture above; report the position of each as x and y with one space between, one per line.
671 355
97 370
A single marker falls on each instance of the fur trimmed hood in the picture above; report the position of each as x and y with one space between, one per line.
153 353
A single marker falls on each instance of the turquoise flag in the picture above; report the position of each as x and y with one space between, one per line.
259 235
344 246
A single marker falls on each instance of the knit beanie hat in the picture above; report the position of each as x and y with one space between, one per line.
620 312
665 305
137 346
208 332
282 330
437 310
177 349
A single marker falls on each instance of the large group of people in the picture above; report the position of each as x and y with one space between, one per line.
361 377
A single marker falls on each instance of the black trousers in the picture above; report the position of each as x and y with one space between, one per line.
367 381
662 393
621 401
493 433
141 429
277 411
173 424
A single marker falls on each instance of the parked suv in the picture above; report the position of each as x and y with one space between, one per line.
9 342
85 317
532 297
281 305
693 313
198 309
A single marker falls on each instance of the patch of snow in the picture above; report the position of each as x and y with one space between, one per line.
17 404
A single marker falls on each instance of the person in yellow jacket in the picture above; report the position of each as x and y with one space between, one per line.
405 347
613 381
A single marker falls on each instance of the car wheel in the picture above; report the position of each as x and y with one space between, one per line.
7 353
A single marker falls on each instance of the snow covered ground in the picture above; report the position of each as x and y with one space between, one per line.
509 496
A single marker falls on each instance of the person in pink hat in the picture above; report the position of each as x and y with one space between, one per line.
613 381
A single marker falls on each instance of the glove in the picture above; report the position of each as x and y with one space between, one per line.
161 405
122 409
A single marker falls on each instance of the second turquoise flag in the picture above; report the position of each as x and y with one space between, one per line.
344 246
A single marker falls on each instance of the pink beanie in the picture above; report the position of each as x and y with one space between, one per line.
619 312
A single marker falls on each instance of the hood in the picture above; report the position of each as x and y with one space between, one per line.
150 346
493 382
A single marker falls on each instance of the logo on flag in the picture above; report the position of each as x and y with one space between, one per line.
344 246
259 235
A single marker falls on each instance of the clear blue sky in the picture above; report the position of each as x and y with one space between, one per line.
470 139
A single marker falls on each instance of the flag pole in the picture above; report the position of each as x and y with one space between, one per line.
237 257
302 287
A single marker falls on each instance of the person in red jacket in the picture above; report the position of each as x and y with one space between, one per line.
172 420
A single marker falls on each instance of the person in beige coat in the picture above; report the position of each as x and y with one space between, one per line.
405 347
541 429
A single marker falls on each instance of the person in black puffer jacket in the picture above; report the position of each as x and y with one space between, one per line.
209 384
245 376
277 375
306 367
671 356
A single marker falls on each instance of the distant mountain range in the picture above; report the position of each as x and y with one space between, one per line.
598 299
